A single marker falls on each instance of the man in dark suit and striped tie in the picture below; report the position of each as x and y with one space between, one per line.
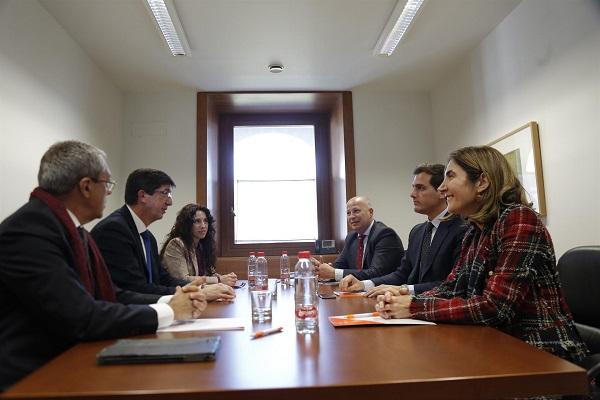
372 248
433 246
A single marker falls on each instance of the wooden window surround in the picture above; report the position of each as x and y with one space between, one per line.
334 107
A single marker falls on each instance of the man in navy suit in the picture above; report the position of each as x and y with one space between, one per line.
131 250
55 290
372 249
433 246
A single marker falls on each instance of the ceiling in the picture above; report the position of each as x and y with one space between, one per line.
323 44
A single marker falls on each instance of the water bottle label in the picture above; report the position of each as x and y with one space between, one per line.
261 282
309 311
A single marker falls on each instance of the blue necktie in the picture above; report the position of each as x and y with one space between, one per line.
146 236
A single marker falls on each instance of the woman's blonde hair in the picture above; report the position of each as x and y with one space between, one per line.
504 187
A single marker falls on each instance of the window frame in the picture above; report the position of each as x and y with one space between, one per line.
226 229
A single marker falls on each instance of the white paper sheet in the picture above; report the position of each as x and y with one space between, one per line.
205 324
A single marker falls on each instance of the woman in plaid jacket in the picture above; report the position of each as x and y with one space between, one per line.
506 274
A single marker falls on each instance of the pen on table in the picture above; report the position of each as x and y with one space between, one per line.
368 314
266 332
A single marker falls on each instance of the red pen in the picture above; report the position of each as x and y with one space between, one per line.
266 332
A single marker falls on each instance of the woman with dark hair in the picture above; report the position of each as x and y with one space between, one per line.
506 274
189 249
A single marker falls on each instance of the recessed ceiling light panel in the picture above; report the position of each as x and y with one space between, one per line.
169 26
398 24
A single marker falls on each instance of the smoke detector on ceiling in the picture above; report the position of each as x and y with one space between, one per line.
275 68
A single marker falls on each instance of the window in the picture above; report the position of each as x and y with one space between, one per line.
274 177
331 115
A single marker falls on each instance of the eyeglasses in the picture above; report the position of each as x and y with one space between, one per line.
164 193
110 185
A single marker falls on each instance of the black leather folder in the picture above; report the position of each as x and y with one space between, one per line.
141 351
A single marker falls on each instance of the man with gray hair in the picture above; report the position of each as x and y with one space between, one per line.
55 289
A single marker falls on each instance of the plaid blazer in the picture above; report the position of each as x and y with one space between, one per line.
506 277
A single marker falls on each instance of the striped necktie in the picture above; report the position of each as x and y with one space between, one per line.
426 244
361 248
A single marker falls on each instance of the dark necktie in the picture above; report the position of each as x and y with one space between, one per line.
86 249
84 240
361 248
146 236
426 244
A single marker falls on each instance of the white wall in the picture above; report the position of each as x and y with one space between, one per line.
392 135
542 63
49 91
159 131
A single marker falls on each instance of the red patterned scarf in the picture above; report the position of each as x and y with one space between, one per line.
96 279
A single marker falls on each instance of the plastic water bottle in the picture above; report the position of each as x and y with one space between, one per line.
284 268
262 272
307 317
251 270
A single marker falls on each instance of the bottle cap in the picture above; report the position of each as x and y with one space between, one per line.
261 253
251 253
304 254
284 252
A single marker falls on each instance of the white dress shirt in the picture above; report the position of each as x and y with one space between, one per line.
436 223
339 273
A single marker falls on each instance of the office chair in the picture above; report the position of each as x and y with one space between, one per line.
579 272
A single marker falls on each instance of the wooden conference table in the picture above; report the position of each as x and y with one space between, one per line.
443 361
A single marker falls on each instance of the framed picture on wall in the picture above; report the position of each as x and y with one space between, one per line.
521 148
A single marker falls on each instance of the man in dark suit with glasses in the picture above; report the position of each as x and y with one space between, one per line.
131 250
55 289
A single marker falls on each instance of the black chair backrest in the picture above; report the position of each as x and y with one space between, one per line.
579 271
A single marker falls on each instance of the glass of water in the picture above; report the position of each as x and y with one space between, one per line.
261 305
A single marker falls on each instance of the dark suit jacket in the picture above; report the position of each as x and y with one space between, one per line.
44 307
381 255
443 254
120 244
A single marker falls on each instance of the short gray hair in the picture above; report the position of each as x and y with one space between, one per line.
65 163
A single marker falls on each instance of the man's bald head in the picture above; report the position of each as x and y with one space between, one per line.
359 213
